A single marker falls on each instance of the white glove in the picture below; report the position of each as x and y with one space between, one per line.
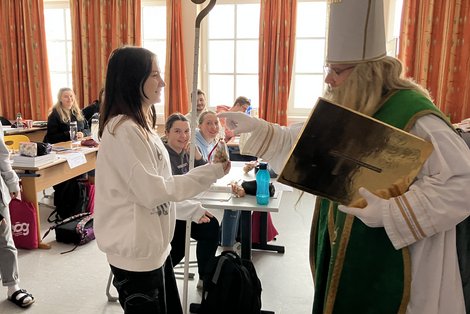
371 215
240 122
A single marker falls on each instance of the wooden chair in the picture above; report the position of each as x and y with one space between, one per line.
13 141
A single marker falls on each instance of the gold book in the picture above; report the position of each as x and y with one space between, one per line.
340 150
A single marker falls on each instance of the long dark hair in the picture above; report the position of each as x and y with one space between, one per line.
128 69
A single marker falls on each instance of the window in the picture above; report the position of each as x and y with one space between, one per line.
154 36
231 61
59 44
307 77
59 39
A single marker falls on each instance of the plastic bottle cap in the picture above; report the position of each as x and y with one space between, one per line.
263 165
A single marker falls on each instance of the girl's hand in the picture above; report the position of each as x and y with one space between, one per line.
227 165
197 153
205 218
79 135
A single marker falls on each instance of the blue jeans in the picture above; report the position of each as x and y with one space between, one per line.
230 227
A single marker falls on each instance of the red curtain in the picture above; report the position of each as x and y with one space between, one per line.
435 50
24 69
99 27
276 55
176 90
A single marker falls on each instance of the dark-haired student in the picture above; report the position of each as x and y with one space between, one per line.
135 189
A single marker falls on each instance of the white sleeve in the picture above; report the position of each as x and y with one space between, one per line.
438 199
8 174
145 179
189 209
273 143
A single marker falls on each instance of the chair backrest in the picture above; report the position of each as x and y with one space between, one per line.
5 121
13 141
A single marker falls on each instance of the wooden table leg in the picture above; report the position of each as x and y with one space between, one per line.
30 194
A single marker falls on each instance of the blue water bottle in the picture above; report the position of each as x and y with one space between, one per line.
262 184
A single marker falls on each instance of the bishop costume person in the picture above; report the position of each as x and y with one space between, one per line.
397 254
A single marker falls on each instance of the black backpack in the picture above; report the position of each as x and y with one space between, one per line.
231 286
70 198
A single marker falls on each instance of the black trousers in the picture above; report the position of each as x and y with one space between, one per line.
148 292
207 237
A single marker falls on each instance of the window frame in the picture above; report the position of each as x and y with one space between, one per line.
204 55
159 107
292 112
64 5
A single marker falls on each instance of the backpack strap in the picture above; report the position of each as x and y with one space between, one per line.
79 229
58 223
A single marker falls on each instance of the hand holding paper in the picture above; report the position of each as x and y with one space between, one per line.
371 215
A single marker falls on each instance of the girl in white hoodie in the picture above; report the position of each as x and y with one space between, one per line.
135 189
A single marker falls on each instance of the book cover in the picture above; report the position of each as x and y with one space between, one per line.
340 150
26 161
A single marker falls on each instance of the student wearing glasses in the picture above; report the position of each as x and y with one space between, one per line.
396 255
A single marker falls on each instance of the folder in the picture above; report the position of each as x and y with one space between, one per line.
340 150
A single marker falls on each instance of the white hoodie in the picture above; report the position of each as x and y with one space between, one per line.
135 191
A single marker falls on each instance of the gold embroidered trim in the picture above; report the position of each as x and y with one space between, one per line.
338 267
406 280
313 236
403 213
413 216
331 225
418 115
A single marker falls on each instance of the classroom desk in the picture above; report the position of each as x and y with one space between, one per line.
35 134
246 205
36 179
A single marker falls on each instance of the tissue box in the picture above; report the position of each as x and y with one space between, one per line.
28 149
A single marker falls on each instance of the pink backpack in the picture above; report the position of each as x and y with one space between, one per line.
24 226
90 188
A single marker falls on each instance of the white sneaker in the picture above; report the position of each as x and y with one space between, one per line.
199 284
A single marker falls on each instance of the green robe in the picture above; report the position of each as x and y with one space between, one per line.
356 269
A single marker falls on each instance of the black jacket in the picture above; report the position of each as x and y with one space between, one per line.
58 131
90 110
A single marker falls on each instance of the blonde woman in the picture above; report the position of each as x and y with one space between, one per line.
64 111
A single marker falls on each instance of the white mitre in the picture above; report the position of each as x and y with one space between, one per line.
356 31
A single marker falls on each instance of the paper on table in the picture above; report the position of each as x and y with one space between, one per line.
74 159
217 196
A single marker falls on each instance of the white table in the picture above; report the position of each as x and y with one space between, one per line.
246 204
